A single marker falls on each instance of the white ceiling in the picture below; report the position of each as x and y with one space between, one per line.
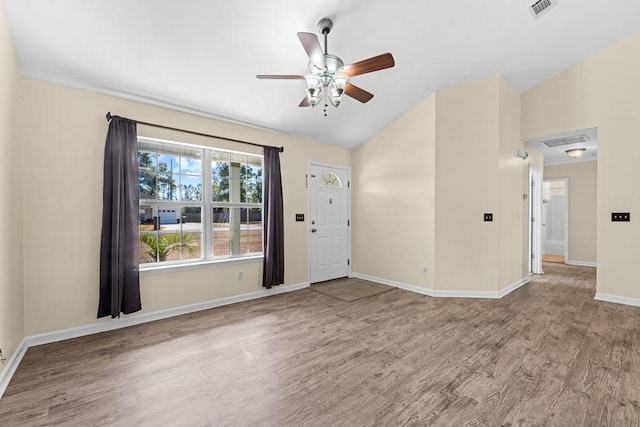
558 155
202 55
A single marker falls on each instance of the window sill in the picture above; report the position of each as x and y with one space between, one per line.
160 269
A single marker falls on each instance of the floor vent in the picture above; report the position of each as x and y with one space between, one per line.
557 142
541 6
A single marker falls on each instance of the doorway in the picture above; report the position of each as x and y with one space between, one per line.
329 198
555 220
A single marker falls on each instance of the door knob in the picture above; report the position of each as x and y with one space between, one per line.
313 230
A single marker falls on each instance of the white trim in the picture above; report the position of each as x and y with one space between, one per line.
171 268
536 179
126 321
512 287
12 365
617 299
446 293
582 264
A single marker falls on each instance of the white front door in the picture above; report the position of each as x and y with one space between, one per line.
328 223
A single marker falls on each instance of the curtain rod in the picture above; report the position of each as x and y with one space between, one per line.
109 117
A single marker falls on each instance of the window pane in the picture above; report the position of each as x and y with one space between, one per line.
221 234
147 161
190 178
190 162
252 180
169 163
220 176
191 241
235 182
190 188
251 231
148 184
170 233
147 251
146 218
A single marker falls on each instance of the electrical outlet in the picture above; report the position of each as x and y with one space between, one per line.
240 276
425 270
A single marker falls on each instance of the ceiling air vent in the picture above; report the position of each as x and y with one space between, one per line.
557 142
541 6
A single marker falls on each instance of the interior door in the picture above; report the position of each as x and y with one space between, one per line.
328 223
535 212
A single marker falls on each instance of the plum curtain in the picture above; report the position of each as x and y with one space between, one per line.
273 264
119 278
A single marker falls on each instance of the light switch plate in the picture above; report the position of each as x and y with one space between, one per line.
620 216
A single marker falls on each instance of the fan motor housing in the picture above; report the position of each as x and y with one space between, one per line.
333 63
325 25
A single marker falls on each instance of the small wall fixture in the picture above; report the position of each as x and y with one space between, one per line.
522 154
574 153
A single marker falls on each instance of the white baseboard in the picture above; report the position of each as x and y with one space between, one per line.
582 264
512 287
12 365
617 299
445 293
126 321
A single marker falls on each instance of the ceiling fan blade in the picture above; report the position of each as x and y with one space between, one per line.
357 93
280 76
312 47
376 63
304 103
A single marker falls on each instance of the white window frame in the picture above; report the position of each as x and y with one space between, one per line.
207 205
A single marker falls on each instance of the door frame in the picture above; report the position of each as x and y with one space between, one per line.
308 221
566 215
535 227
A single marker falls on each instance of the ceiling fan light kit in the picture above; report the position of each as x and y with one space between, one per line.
328 77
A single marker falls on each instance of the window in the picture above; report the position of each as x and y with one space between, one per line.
197 203
330 179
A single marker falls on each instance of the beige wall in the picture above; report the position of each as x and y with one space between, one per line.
11 297
513 208
583 181
393 198
602 91
467 150
62 131
423 184
477 172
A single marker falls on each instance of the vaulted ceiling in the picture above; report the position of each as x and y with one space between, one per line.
202 55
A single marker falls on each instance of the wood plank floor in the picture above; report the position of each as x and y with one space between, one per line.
547 354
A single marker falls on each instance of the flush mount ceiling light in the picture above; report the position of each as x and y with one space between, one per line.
574 153
328 77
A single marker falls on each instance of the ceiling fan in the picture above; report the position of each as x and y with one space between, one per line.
328 76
